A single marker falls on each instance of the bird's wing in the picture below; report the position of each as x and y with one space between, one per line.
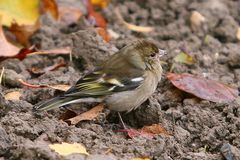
99 83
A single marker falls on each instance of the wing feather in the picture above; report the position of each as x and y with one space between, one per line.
100 84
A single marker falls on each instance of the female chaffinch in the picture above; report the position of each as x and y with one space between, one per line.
123 82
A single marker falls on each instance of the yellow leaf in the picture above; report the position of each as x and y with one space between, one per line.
15 95
101 3
183 58
66 148
22 12
133 27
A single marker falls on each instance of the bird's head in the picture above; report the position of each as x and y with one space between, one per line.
144 54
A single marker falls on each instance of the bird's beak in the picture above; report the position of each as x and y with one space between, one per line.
161 52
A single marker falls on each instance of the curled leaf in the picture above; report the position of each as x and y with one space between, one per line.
65 50
60 87
38 71
132 26
24 32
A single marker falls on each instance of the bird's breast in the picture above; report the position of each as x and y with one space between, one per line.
129 100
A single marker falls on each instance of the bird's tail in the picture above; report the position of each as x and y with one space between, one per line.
53 103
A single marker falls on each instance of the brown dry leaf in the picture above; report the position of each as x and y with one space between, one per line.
196 20
6 48
89 115
24 32
65 50
146 131
69 14
132 26
60 87
103 33
53 67
132 133
140 159
50 6
204 88
65 149
155 129
14 96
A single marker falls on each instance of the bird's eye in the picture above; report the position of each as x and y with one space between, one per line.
153 54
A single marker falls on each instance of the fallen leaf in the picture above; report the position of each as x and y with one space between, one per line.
132 26
132 133
65 149
15 95
155 129
38 71
60 87
140 159
103 33
184 58
238 33
69 14
23 12
89 115
100 3
95 18
50 6
196 20
204 88
146 131
24 32
6 48
65 50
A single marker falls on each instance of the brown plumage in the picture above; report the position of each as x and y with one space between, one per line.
123 82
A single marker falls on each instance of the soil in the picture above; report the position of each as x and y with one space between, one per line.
198 128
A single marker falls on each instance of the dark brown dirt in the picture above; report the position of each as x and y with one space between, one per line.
198 128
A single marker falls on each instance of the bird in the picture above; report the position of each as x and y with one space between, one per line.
123 82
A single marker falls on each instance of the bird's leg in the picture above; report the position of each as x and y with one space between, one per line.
120 118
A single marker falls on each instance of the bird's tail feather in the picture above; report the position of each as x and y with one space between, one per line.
53 103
